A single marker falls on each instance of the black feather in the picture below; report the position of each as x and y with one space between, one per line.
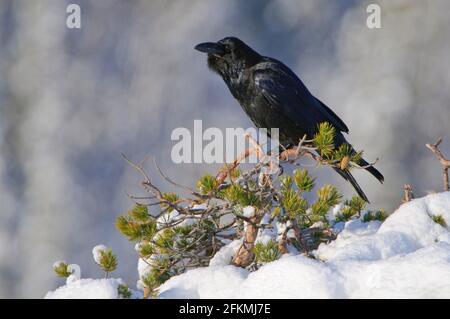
349 177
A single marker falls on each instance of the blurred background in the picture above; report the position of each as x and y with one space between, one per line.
71 100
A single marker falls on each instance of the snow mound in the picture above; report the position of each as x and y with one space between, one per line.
291 277
407 256
87 289
202 283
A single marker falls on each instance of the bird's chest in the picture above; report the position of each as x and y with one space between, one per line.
253 102
262 113
238 85
243 89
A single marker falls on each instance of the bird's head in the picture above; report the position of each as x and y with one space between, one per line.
228 55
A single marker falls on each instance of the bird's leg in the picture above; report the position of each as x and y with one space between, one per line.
291 152
295 151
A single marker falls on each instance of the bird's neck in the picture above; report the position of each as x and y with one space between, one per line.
236 72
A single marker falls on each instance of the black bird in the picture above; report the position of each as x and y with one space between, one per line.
274 97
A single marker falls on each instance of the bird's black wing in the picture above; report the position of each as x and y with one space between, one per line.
286 92
333 118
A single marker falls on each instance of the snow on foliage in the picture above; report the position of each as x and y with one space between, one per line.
248 211
407 256
96 252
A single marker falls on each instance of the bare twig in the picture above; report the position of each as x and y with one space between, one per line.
445 163
407 193
224 173
190 190
147 181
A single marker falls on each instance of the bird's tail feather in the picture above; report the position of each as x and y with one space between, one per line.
372 170
349 177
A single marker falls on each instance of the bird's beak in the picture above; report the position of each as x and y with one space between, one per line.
214 48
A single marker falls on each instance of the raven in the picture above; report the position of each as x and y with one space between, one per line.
274 97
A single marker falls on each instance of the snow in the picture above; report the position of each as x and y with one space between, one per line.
406 256
59 262
202 283
248 211
87 289
75 271
143 267
291 277
96 252
224 256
